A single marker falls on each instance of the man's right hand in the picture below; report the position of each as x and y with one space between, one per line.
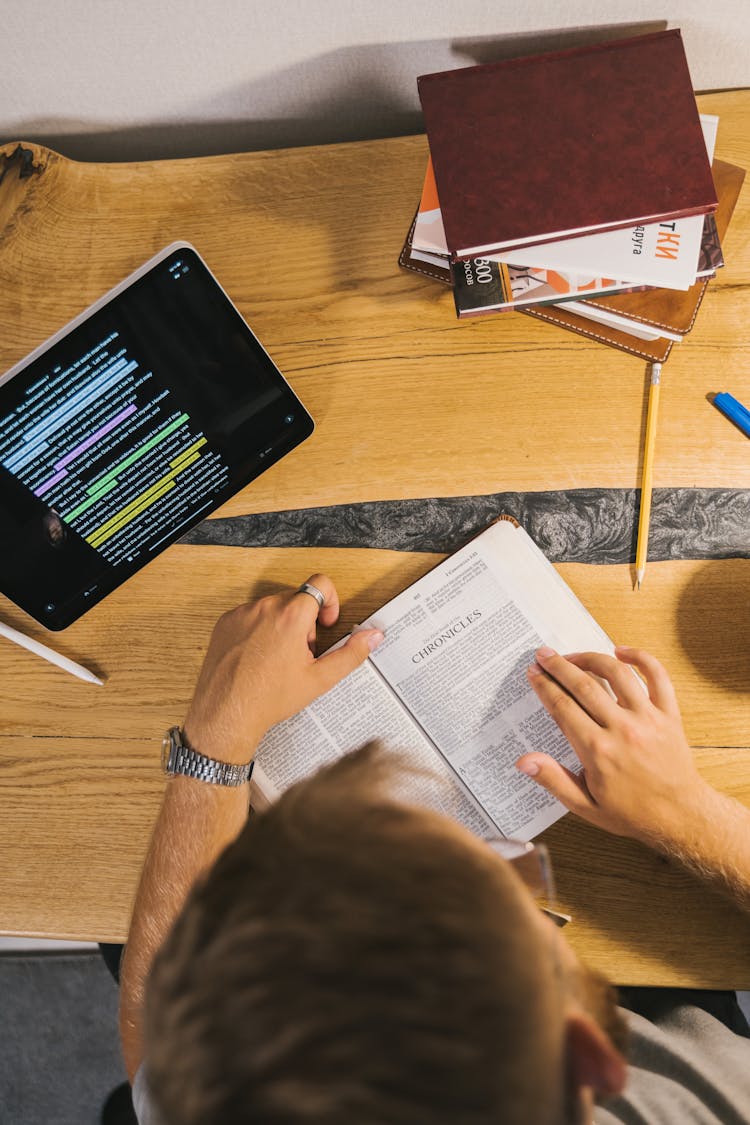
639 778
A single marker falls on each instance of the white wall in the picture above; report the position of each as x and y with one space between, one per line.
128 79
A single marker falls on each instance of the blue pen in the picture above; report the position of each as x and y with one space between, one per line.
734 411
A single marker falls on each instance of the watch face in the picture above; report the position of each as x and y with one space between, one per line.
166 747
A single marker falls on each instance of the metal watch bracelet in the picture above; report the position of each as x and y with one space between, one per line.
179 758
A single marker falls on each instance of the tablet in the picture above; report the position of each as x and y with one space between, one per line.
127 428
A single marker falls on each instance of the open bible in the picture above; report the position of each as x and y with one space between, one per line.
448 688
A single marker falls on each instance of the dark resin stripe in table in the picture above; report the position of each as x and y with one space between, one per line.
592 525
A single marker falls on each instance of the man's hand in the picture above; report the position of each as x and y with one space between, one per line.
261 668
638 777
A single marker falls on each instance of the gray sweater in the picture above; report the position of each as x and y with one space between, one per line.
690 1069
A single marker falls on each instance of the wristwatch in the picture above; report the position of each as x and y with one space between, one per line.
178 757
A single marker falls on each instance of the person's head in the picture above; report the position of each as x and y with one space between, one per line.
350 959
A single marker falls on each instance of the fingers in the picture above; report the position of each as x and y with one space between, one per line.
306 606
578 727
660 689
559 781
627 688
584 689
334 665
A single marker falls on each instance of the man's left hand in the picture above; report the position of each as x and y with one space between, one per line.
261 668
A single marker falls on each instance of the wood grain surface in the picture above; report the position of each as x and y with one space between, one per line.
409 403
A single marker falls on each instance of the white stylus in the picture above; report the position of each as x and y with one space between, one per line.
49 654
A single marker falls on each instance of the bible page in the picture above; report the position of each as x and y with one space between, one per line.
359 709
456 649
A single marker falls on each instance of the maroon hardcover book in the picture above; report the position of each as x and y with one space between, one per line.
548 146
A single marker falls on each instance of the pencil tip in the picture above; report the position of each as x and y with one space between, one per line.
639 574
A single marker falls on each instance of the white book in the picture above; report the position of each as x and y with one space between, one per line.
429 234
448 686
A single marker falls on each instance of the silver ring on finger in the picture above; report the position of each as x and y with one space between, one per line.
314 592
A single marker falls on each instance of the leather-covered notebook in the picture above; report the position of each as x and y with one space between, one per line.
544 147
672 309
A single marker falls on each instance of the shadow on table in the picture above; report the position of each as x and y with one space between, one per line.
671 928
713 622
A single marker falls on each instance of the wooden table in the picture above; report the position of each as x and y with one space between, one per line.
409 403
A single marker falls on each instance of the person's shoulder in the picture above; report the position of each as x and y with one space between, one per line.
685 1065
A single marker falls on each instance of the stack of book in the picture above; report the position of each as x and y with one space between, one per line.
577 187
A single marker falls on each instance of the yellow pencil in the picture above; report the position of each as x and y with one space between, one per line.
644 517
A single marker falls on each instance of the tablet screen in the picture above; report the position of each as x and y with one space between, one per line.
128 428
